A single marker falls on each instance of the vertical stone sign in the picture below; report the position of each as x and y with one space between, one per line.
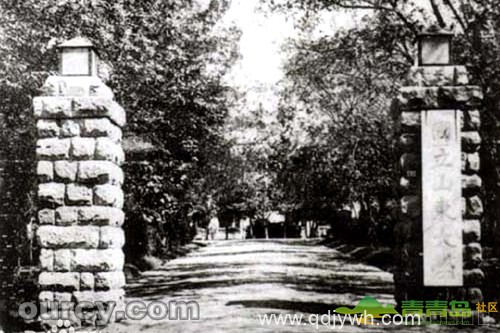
442 198
80 195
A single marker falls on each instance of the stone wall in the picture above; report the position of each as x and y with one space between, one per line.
80 195
443 87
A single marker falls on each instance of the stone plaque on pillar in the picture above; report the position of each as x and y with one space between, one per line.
442 198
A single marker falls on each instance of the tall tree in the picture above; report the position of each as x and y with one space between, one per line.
477 45
166 60
336 108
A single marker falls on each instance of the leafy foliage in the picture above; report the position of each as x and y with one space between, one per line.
338 91
166 61
477 46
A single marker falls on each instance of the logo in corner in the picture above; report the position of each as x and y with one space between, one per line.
368 306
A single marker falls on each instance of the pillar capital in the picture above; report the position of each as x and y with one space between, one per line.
435 47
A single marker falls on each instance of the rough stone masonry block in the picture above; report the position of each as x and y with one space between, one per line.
78 195
91 107
47 128
76 86
117 114
411 120
52 107
474 207
445 97
101 127
46 296
409 161
47 260
111 238
471 142
100 172
70 128
97 107
411 205
65 171
90 260
62 297
109 280
471 163
418 98
117 295
472 255
65 216
108 195
408 185
431 76
474 295
107 150
461 76
45 171
472 231
57 237
62 260
471 120
46 216
87 281
100 215
82 148
408 143
51 194
473 277
464 96
471 183
59 281
53 149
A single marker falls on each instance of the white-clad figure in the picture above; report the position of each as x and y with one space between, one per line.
213 225
244 225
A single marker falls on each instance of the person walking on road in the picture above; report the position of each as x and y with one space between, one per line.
213 225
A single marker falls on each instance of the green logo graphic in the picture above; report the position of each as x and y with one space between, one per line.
434 311
368 306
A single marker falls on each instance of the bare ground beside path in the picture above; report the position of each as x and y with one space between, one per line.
235 281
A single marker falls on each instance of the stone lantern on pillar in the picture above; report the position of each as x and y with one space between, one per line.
78 57
78 71
434 47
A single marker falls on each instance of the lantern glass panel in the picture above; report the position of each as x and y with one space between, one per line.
75 61
435 51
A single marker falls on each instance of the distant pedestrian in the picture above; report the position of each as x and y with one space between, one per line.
245 228
213 225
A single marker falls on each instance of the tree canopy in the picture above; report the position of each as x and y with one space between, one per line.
345 80
165 62
328 143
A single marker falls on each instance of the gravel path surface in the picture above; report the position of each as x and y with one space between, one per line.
236 281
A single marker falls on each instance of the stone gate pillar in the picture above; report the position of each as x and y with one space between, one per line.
438 252
80 196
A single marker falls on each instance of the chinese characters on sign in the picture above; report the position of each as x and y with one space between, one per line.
442 198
